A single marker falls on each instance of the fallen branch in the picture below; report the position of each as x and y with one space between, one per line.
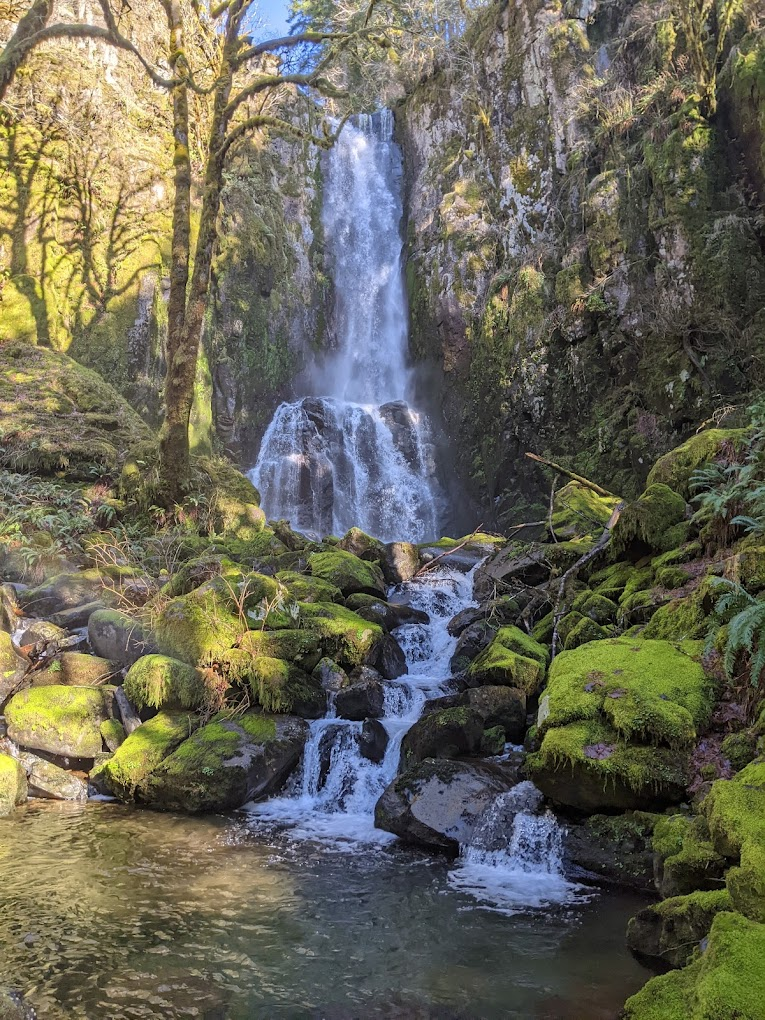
449 552
551 509
575 477
600 546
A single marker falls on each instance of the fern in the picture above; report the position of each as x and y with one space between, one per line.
744 616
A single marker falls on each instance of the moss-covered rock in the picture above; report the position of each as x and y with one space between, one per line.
280 686
119 637
113 733
303 647
616 848
198 627
687 617
595 607
512 659
676 467
347 572
76 669
643 526
669 932
686 861
584 631
60 720
234 500
649 691
726 980
135 759
305 588
611 581
740 748
157 681
227 763
13 784
196 571
346 637
362 545
449 733
578 512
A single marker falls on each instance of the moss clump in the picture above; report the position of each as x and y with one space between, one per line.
234 500
611 581
513 659
309 589
583 632
644 525
726 980
113 733
586 766
651 691
676 467
195 572
134 761
346 637
198 627
280 686
740 748
302 647
686 858
671 930
59 719
578 512
543 630
682 618
13 784
347 572
596 607
157 681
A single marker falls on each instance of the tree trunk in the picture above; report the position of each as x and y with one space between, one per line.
20 43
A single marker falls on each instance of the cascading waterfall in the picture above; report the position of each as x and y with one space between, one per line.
356 454
334 794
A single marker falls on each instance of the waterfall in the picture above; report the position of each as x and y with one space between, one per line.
514 860
333 796
353 452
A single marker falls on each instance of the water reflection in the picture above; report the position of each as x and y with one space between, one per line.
114 913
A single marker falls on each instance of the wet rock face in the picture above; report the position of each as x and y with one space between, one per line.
373 741
448 733
51 782
438 802
364 698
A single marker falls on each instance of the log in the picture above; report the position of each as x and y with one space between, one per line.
572 474
130 718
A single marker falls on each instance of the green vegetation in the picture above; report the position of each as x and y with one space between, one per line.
125 773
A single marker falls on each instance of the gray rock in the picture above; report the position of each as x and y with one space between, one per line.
364 698
51 782
401 561
373 741
388 658
446 734
116 636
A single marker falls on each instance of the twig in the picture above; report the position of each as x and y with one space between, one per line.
571 474
552 507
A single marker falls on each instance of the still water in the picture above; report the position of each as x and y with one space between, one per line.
108 912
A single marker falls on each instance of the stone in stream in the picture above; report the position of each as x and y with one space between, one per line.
386 614
401 561
50 782
13 785
373 741
227 763
504 707
439 801
13 1007
364 698
388 658
331 676
73 619
446 734
61 720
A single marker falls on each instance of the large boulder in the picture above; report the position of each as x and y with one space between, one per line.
616 848
305 588
450 733
65 592
118 637
439 801
668 933
281 686
347 572
302 647
76 669
50 782
60 720
346 637
125 773
503 707
364 698
388 658
513 659
362 545
227 763
197 627
11 667
157 681
13 784
648 524
401 561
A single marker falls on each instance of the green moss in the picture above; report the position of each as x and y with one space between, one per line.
676 467
647 521
682 618
578 512
611 581
156 681
543 629
585 631
513 659
195 572
309 589
726 980
141 753
233 498
280 686
344 635
671 930
59 719
740 748
198 627
302 647
13 784
596 607
113 733
647 690
687 859
347 572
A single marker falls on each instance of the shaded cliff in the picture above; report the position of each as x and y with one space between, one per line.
585 248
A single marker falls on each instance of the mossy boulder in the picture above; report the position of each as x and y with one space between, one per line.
686 860
60 720
724 981
595 607
66 591
579 512
450 733
676 467
13 784
157 681
303 647
498 707
50 782
200 569
362 545
644 526
401 561
611 581
113 733
76 669
682 618
584 631
512 659
668 933
346 637
138 756
616 848
305 588
10 666
347 572
198 627
116 636
648 691
234 500
227 763
57 417
586 766
281 686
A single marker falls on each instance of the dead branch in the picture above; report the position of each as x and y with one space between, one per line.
449 552
575 477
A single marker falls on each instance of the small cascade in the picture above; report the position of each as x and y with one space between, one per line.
352 452
514 860
333 796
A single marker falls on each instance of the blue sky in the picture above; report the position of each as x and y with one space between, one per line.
274 13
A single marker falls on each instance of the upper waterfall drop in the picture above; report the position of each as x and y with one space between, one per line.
353 452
